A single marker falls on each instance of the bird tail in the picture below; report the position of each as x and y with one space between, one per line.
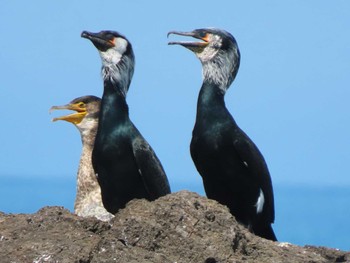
265 231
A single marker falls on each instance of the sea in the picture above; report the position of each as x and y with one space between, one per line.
305 215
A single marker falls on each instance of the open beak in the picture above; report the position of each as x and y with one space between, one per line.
98 40
195 46
74 118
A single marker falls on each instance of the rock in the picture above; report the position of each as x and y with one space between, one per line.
182 227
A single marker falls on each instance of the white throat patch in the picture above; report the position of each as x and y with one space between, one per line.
117 67
113 55
219 70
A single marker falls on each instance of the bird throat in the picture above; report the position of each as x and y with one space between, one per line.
218 76
118 75
221 70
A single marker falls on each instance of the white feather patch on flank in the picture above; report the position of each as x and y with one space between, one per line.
260 203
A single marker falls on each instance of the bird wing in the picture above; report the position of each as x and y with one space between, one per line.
150 168
255 161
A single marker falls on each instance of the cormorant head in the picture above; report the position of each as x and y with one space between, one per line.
117 57
218 51
86 114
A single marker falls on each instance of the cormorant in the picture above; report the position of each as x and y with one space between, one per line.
125 164
233 170
88 201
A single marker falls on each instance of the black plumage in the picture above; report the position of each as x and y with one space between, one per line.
125 164
234 171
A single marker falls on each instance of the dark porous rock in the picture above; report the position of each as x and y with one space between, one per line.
182 227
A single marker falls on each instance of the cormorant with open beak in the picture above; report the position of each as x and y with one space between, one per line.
88 201
233 170
125 164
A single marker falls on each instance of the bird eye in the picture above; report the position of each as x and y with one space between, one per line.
110 37
203 34
81 104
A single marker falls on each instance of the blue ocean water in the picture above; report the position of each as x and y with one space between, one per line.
305 215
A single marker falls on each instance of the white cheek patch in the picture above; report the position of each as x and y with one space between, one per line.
113 55
110 57
120 45
211 50
216 40
260 203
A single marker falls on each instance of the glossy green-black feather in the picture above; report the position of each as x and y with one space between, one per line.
125 164
233 170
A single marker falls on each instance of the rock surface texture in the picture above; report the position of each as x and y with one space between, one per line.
182 227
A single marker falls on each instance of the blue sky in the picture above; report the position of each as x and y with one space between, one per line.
291 94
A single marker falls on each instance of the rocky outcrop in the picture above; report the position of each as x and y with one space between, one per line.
182 227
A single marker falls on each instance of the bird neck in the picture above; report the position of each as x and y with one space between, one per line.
210 99
211 108
88 137
114 108
118 74
86 176
86 179
86 152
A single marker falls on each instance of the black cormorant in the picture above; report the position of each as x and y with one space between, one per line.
88 201
234 171
125 164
